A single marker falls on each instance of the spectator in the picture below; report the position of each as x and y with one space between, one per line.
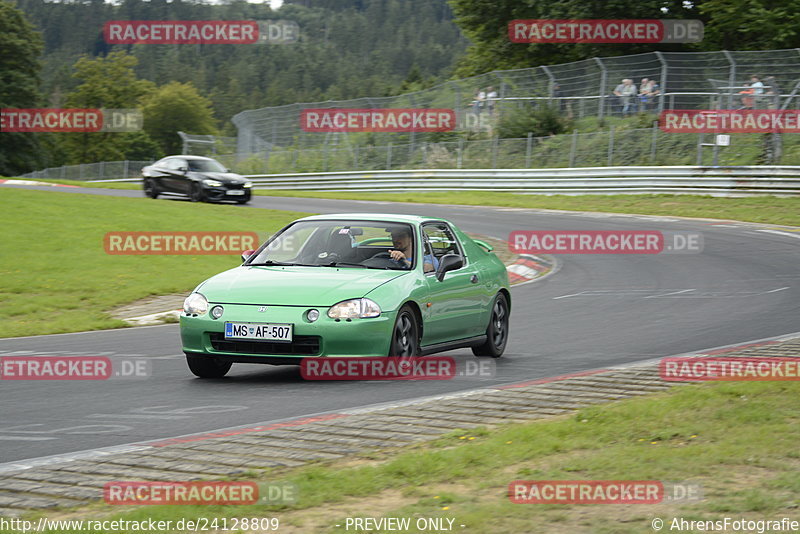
758 90
491 96
626 92
773 92
747 97
478 101
648 91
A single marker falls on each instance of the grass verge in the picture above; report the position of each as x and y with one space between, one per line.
738 441
768 210
58 278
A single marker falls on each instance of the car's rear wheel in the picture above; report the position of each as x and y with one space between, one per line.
196 194
405 335
150 188
207 366
497 331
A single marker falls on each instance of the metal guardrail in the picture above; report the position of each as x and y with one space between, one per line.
751 180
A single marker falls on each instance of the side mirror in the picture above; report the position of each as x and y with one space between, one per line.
184 169
247 253
448 262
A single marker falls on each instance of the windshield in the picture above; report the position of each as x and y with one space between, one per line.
341 243
206 165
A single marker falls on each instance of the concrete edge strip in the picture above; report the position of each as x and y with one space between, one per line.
93 454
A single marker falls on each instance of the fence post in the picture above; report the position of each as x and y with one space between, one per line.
389 156
654 142
610 146
125 168
495 146
660 57
699 149
528 147
355 158
552 85
573 147
325 156
602 94
731 77
459 152
80 172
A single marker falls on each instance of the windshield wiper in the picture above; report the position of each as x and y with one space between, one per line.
281 264
338 263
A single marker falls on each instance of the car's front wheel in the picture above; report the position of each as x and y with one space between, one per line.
497 331
405 335
197 194
207 367
150 188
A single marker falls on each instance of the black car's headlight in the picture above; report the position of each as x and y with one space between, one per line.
355 309
248 184
212 183
195 304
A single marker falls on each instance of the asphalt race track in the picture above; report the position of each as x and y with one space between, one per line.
596 311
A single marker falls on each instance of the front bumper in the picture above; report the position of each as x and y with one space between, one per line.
325 337
224 193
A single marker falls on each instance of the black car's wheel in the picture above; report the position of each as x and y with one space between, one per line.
196 194
207 366
405 335
497 331
150 188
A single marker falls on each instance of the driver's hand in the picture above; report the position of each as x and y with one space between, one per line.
397 255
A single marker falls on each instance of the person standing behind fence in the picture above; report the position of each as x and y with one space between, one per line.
773 92
626 92
758 90
747 97
648 92
491 97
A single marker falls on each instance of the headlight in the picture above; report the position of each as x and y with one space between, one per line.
248 184
212 183
355 308
195 304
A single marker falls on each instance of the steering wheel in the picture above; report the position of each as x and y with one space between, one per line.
383 259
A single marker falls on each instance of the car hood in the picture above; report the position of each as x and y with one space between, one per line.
224 177
293 286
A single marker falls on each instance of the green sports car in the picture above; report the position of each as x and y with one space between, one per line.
350 285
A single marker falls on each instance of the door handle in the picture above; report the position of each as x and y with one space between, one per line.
474 278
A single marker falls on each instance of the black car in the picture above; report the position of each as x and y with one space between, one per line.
201 179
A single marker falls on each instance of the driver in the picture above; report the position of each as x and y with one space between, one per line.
403 251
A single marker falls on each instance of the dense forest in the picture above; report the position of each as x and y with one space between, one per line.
347 48
53 54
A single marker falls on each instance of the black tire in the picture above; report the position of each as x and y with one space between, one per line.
196 194
497 331
405 334
208 366
150 189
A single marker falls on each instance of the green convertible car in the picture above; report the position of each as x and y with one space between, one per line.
350 285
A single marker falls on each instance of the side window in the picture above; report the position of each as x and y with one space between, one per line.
440 239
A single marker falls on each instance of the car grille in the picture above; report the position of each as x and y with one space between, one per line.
301 345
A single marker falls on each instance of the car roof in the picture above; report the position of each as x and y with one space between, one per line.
187 157
383 217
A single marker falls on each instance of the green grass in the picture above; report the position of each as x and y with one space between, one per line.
58 278
84 183
770 210
736 440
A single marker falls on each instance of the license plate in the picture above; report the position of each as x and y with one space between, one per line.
259 331
235 192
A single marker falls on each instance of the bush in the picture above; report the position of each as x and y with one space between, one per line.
541 122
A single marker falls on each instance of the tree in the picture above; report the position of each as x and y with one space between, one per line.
485 23
751 24
177 107
20 46
108 82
